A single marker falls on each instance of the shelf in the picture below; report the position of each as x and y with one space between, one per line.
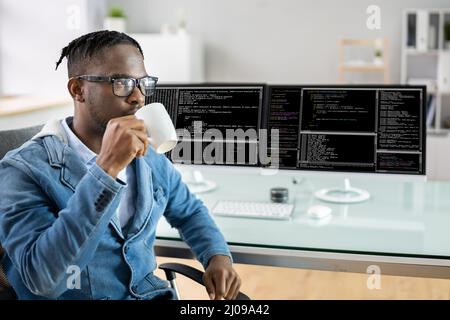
431 52
377 47
438 132
363 68
26 104
437 92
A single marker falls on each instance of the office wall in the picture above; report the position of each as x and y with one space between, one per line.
277 41
32 34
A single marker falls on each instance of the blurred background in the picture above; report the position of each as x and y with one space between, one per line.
275 41
266 41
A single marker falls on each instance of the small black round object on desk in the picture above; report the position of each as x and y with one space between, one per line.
279 195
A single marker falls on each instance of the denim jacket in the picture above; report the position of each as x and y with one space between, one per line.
62 237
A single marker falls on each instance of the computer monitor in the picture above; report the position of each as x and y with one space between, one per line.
349 128
354 129
339 128
217 124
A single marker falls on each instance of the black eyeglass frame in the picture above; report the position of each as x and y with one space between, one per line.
136 82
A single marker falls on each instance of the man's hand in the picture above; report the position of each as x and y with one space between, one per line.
125 138
220 279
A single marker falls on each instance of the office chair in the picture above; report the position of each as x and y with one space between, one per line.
11 139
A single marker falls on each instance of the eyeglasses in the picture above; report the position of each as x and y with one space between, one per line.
123 87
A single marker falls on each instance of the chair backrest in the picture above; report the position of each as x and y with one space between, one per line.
9 140
12 139
6 291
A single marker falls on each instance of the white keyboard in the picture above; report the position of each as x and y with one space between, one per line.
246 209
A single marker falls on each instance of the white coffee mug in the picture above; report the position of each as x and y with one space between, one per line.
160 129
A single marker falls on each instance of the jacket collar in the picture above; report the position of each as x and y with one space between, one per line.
52 128
52 135
59 153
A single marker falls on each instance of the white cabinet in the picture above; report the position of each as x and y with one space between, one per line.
426 61
444 71
438 157
422 34
173 58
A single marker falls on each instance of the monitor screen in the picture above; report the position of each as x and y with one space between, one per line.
216 124
363 129
348 128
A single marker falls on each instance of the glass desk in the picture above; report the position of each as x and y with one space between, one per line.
404 228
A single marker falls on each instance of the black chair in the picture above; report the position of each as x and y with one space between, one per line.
11 139
6 291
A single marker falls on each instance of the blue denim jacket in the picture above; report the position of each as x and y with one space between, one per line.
57 218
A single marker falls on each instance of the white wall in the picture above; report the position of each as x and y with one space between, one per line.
276 41
32 34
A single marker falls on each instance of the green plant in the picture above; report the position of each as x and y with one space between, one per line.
447 31
378 53
116 12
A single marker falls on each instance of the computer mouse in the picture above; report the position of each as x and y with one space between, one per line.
318 211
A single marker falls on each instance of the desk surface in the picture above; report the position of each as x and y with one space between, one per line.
403 228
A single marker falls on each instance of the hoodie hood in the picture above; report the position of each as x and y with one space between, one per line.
53 127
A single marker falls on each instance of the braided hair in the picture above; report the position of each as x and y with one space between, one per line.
88 45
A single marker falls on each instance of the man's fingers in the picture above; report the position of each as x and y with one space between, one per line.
142 136
228 283
209 285
237 288
130 122
143 141
139 146
220 286
234 289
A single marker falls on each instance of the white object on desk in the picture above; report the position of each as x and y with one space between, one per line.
196 182
202 187
346 195
248 209
319 211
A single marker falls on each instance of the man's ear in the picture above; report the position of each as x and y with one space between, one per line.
75 88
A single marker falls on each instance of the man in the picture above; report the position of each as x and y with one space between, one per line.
86 193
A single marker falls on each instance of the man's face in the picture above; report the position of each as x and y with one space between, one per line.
100 102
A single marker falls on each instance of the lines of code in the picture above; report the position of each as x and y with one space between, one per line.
348 129
400 120
219 109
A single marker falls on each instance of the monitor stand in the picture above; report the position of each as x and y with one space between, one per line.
348 194
196 182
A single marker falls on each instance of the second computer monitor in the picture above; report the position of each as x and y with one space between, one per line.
349 128
218 124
